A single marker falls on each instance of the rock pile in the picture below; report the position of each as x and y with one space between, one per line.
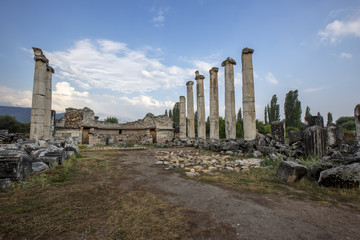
19 159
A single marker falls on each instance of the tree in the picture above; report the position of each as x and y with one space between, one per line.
176 113
239 116
292 107
170 114
329 119
12 125
166 112
274 110
307 112
265 115
222 134
196 122
111 120
208 126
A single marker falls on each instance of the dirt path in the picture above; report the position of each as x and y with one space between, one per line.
245 215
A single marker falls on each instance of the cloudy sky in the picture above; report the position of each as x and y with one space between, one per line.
128 58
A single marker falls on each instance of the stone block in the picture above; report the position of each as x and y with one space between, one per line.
14 164
341 177
335 135
314 121
315 139
5 183
295 136
290 172
278 131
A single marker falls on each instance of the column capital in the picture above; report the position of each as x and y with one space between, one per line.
189 83
214 69
247 51
198 77
39 56
229 60
182 98
50 69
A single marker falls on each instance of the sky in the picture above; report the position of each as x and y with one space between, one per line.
128 58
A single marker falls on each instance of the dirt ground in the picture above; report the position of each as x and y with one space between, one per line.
211 212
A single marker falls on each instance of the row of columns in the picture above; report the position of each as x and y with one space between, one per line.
230 113
40 123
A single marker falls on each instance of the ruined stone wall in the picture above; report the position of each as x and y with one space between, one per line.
64 133
134 131
106 131
165 135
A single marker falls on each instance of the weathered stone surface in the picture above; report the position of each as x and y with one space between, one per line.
295 136
290 172
5 183
190 110
315 139
314 121
278 131
321 165
230 114
39 167
51 152
70 145
200 105
341 177
357 126
335 135
14 164
230 145
214 104
182 118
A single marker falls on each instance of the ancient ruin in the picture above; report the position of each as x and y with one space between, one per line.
214 104
182 118
357 125
190 110
230 115
41 100
248 94
200 105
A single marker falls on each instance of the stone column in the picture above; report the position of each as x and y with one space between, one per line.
38 98
248 94
230 115
357 126
214 104
182 120
190 110
200 105
48 98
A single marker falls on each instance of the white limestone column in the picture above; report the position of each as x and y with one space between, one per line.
230 114
190 110
200 105
48 98
248 95
214 103
182 120
38 98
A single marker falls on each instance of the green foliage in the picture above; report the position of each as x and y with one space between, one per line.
176 113
170 114
267 162
309 160
239 116
239 130
166 113
11 124
347 123
266 114
288 129
111 120
329 119
292 108
264 129
222 134
208 126
273 110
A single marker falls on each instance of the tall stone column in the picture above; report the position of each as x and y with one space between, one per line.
200 105
48 98
38 98
357 126
182 120
214 104
230 115
248 94
190 110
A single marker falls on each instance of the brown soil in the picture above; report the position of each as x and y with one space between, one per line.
88 204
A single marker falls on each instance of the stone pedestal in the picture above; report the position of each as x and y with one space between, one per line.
214 104
357 125
278 131
190 110
38 98
248 95
200 105
48 98
230 114
315 139
182 120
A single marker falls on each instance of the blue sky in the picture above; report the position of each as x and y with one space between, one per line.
128 58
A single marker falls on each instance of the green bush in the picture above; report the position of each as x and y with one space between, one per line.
10 123
347 123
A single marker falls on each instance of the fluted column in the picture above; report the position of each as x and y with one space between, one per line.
182 120
48 98
230 115
38 98
248 94
200 105
214 104
190 110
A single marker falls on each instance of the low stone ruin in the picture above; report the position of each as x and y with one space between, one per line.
19 159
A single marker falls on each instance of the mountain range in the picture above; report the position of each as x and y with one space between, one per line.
21 114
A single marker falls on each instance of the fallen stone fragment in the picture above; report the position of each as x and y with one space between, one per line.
14 164
159 163
290 172
341 177
39 167
5 183
192 174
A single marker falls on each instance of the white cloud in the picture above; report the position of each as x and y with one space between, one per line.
309 90
106 64
159 19
345 55
17 98
271 78
334 31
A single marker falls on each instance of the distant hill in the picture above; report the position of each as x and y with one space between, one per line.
21 114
